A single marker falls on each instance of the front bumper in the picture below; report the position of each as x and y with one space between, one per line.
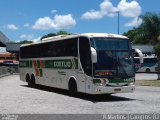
112 90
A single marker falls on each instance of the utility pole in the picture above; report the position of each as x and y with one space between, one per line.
118 21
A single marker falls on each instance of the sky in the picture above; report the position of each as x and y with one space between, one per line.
32 19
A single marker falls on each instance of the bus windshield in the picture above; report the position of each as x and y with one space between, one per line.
114 58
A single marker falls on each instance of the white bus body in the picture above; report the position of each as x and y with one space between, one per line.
93 63
150 64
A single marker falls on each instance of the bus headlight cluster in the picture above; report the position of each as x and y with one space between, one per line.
131 83
101 81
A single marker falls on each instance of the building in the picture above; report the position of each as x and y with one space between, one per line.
3 40
7 46
13 47
6 58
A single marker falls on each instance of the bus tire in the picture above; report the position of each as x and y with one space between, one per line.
30 80
33 83
27 78
72 87
108 95
148 70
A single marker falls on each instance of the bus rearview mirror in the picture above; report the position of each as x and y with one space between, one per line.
93 55
140 54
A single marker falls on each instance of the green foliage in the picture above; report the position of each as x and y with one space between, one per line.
62 33
148 32
151 27
157 47
25 42
48 35
136 36
55 34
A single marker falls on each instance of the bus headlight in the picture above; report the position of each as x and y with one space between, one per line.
131 83
100 81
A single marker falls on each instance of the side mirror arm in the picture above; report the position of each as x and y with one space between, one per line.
140 54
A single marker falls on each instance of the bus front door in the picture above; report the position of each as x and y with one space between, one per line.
81 82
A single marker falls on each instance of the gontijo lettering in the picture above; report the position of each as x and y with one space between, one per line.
63 64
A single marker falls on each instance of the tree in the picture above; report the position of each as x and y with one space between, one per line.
55 34
25 41
48 35
148 32
151 27
135 36
62 33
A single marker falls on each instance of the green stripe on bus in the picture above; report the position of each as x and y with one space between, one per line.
53 64
60 64
38 64
129 80
27 64
41 72
117 81
113 81
30 64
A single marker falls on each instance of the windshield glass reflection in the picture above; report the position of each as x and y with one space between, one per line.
114 58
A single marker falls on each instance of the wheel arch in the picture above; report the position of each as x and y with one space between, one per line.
30 76
73 79
148 70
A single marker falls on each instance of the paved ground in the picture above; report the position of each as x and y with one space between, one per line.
146 76
17 98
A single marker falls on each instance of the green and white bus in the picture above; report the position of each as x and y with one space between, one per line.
92 63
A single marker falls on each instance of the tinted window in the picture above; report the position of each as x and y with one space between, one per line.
85 55
150 60
51 49
110 44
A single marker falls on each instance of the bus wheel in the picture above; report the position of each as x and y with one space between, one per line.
27 78
72 87
108 95
148 70
31 81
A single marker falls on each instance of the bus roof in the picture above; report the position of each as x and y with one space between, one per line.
88 35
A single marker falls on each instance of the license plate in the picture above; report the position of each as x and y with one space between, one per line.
117 89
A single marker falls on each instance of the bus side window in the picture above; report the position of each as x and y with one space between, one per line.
63 48
71 47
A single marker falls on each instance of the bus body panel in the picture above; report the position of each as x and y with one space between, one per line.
50 76
85 83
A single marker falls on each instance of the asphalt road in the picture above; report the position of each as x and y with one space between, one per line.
17 98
